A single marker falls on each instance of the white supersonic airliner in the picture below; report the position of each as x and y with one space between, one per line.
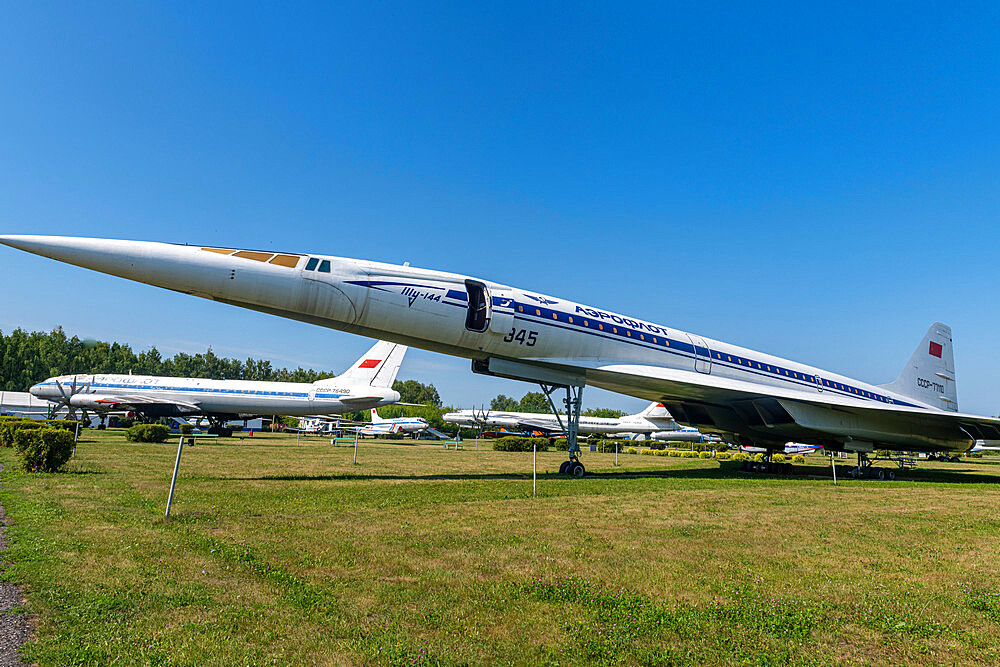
653 419
747 397
366 384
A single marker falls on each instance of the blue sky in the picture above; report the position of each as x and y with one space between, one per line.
819 183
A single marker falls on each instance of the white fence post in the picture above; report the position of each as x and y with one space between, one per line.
173 481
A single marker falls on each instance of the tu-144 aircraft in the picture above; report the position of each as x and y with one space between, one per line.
654 419
366 384
747 397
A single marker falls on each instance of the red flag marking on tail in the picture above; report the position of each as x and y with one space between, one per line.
372 363
936 349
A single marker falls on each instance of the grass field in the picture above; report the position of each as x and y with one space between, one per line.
284 554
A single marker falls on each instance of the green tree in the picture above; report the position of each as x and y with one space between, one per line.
504 403
411 391
603 412
534 401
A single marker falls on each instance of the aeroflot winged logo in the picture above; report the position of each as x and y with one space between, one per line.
541 299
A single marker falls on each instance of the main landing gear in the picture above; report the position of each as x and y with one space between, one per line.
574 394
866 470
767 466
218 427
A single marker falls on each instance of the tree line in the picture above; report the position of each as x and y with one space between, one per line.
535 401
30 357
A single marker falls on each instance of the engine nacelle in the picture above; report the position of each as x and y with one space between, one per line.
92 401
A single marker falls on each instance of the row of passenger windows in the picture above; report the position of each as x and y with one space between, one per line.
324 266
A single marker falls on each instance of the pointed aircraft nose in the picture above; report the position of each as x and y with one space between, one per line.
162 264
36 244
37 390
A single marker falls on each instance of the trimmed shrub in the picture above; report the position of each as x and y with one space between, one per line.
513 443
778 458
740 456
722 456
689 454
10 426
646 452
560 444
187 429
798 458
43 449
673 452
758 457
631 450
147 433
704 455
659 452
65 424
7 427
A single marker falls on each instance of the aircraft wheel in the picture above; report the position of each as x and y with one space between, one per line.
578 470
564 467
881 474
788 468
891 475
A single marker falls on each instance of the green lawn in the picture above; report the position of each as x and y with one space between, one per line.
284 554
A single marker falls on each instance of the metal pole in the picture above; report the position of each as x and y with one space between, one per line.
173 481
76 437
616 453
833 465
534 470
355 448
297 437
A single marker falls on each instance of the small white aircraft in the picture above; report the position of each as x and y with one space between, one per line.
654 418
380 426
367 383
748 398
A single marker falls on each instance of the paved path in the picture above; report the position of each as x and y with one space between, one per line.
14 628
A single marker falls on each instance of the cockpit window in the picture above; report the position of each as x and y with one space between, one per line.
311 264
324 266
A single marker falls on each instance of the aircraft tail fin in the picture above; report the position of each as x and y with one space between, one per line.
929 375
378 367
375 418
655 411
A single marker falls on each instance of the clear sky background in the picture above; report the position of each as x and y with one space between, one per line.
819 183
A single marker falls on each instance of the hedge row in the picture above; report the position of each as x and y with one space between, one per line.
603 446
512 443
10 425
147 433
719 456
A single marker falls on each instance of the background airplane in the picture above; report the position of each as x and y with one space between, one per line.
365 384
380 426
747 397
654 418
683 434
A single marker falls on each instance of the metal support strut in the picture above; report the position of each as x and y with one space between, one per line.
572 403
